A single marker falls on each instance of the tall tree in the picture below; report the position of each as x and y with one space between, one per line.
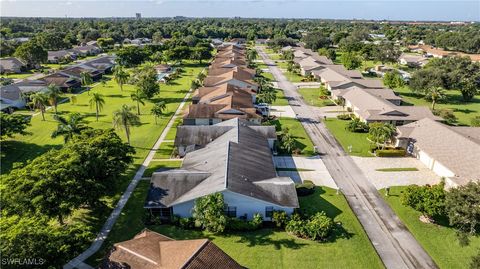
40 101
54 93
147 82
32 53
380 133
463 207
158 109
393 79
351 60
120 76
70 126
124 118
98 101
139 98
12 124
86 80
435 94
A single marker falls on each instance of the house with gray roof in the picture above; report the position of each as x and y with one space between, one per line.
413 60
13 94
369 107
238 164
450 152
12 65
60 56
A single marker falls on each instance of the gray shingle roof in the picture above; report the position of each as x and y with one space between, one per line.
456 149
239 161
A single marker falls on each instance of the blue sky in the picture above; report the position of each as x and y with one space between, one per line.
340 9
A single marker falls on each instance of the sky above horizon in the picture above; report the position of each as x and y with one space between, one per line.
423 10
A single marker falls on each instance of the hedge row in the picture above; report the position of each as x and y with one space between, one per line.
390 152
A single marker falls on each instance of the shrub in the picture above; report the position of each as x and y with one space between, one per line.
186 223
279 218
390 152
344 117
429 200
447 115
475 122
235 224
463 207
305 188
209 213
317 227
357 126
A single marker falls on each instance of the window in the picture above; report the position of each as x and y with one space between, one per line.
231 211
162 212
268 211
210 121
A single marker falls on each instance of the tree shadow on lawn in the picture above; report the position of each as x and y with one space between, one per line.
313 203
13 151
262 237
115 95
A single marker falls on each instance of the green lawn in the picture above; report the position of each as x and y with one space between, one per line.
439 241
165 151
281 99
302 140
23 148
282 65
464 111
397 169
268 75
274 56
293 77
267 248
18 76
312 97
164 164
358 141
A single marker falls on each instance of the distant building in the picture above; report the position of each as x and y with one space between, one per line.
138 15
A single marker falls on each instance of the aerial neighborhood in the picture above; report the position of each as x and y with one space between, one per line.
178 142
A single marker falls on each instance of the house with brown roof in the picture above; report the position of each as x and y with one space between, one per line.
151 250
12 65
237 163
239 78
413 60
86 50
61 56
451 152
63 81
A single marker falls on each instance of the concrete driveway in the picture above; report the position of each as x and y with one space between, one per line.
308 168
328 111
381 179
282 111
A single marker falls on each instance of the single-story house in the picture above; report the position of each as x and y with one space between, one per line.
59 56
262 41
311 63
76 72
413 60
92 43
13 94
239 165
335 75
215 42
218 71
384 93
238 40
151 250
63 81
102 63
12 65
86 50
239 78
369 107
450 152
190 137
163 68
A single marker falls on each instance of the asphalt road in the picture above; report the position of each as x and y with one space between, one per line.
393 242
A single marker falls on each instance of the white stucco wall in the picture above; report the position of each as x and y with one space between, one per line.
245 205
433 164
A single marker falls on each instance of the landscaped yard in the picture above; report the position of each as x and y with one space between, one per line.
302 140
438 240
358 141
293 77
267 248
268 75
281 99
281 65
464 111
24 148
18 76
312 97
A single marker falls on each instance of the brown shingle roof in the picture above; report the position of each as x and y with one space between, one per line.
151 250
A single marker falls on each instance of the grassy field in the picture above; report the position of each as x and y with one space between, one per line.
312 97
302 140
440 241
281 99
268 75
293 77
18 76
165 151
282 65
349 247
464 111
358 141
23 148
160 165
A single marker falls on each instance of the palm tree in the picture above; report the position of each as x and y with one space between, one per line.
138 97
86 79
435 94
267 95
54 93
157 109
97 101
120 76
124 118
252 55
40 101
70 126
